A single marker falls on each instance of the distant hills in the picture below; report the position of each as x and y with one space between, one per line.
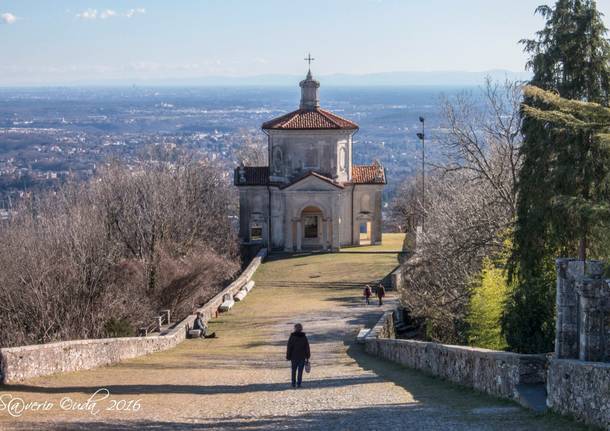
432 78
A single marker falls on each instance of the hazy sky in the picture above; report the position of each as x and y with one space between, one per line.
58 41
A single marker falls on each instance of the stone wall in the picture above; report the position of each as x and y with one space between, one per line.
578 381
21 363
396 278
580 389
493 372
384 328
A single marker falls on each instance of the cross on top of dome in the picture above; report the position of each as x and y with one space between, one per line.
309 59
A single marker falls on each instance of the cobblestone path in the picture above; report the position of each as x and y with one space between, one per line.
240 380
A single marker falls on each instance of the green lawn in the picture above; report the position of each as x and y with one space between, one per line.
335 268
390 242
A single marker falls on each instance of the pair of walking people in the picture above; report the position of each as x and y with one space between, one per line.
368 293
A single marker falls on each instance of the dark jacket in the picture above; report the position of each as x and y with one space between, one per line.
298 347
381 291
198 324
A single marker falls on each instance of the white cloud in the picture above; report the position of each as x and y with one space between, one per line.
8 18
93 14
108 13
88 14
133 12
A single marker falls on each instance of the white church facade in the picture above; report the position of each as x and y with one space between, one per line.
310 196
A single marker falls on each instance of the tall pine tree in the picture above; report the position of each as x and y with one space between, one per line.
570 56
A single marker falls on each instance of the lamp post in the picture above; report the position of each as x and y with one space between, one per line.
422 138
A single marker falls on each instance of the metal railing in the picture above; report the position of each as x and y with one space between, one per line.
163 318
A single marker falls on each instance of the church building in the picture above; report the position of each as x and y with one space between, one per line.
311 196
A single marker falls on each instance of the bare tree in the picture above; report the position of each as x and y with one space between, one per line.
484 136
470 207
117 248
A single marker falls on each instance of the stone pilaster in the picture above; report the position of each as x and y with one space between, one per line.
299 235
580 332
593 293
566 334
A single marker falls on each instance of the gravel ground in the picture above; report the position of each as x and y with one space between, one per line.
240 380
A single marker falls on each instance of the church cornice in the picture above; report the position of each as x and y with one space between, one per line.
316 175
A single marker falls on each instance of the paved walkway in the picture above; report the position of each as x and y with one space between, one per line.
240 380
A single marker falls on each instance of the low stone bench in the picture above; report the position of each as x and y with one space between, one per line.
360 338
227 303
239 296
194 333
249 286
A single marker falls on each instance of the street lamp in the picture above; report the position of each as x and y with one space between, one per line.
422 138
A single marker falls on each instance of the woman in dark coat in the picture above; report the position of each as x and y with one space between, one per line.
380 293
298 354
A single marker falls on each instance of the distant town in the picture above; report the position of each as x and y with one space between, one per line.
48 136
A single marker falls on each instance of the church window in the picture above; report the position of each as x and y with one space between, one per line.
311 158
342 159
256 232
278 158
311 226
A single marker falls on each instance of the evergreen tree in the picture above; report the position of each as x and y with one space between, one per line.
570 56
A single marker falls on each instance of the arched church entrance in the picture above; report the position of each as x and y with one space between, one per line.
313 229
312 220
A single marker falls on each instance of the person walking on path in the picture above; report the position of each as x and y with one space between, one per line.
380 293
298 354
367 294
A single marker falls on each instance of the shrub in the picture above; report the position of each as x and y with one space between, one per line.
118 328
486 307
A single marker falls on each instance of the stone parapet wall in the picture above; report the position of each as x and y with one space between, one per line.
21 363
493 372
580 389
384 328
396 278
210 308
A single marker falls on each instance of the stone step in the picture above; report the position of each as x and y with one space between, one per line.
533 396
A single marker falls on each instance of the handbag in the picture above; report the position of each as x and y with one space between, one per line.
307 367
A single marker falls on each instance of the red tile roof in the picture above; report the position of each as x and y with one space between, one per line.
259 176
252 176
368 174
308 119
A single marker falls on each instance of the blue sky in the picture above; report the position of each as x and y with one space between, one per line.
63 41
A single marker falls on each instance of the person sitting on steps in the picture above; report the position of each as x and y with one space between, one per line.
200 324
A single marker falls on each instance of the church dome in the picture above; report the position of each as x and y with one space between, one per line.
309 116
